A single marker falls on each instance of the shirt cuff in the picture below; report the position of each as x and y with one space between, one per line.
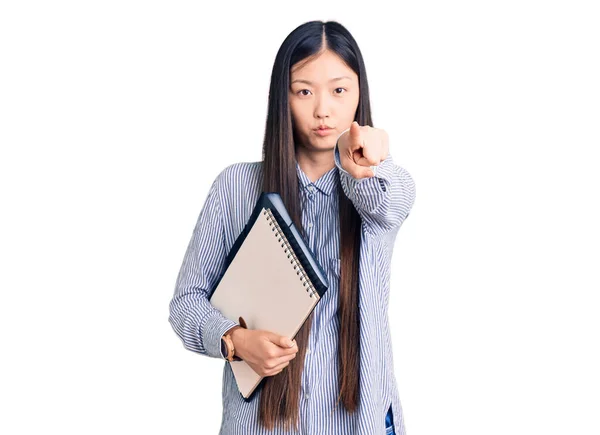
214 328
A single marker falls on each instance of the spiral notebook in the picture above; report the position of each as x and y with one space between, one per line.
271 279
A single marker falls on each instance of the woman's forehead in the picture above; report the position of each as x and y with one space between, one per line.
324 68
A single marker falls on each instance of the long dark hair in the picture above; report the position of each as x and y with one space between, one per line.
280 393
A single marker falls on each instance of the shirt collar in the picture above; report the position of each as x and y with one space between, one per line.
326 183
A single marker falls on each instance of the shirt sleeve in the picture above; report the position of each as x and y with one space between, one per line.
195 320
383 201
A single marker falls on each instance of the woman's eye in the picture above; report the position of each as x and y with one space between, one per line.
301 92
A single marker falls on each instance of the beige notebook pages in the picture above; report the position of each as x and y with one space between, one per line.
273 280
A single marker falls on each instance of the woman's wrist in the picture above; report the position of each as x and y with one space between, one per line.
237 337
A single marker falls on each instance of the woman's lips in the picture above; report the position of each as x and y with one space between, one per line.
324 131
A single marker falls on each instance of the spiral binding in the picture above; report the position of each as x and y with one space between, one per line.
279 233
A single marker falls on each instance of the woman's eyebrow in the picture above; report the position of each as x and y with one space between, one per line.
332 80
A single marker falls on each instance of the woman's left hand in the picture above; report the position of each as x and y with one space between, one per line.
362 147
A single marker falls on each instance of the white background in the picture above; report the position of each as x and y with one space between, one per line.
116 116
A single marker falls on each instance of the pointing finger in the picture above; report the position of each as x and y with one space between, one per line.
356 139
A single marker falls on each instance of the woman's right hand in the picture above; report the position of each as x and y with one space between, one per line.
265 352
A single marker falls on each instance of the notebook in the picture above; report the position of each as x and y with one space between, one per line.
272 279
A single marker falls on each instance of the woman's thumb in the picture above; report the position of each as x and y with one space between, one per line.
285 341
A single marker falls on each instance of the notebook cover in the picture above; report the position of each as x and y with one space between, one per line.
273 202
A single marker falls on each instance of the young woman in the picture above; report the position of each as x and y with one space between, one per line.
343 190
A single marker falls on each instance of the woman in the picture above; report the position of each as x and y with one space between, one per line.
343 190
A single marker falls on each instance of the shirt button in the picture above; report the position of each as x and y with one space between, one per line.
307 350
310 225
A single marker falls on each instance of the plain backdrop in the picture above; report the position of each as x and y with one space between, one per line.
116 116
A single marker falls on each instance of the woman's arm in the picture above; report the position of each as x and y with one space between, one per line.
195 320
383 201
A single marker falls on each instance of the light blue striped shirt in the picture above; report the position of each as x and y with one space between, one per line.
383 202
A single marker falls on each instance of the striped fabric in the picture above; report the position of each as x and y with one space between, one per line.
383 202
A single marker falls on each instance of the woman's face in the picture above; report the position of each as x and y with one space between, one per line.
323 91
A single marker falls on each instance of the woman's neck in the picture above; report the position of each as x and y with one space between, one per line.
315 164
